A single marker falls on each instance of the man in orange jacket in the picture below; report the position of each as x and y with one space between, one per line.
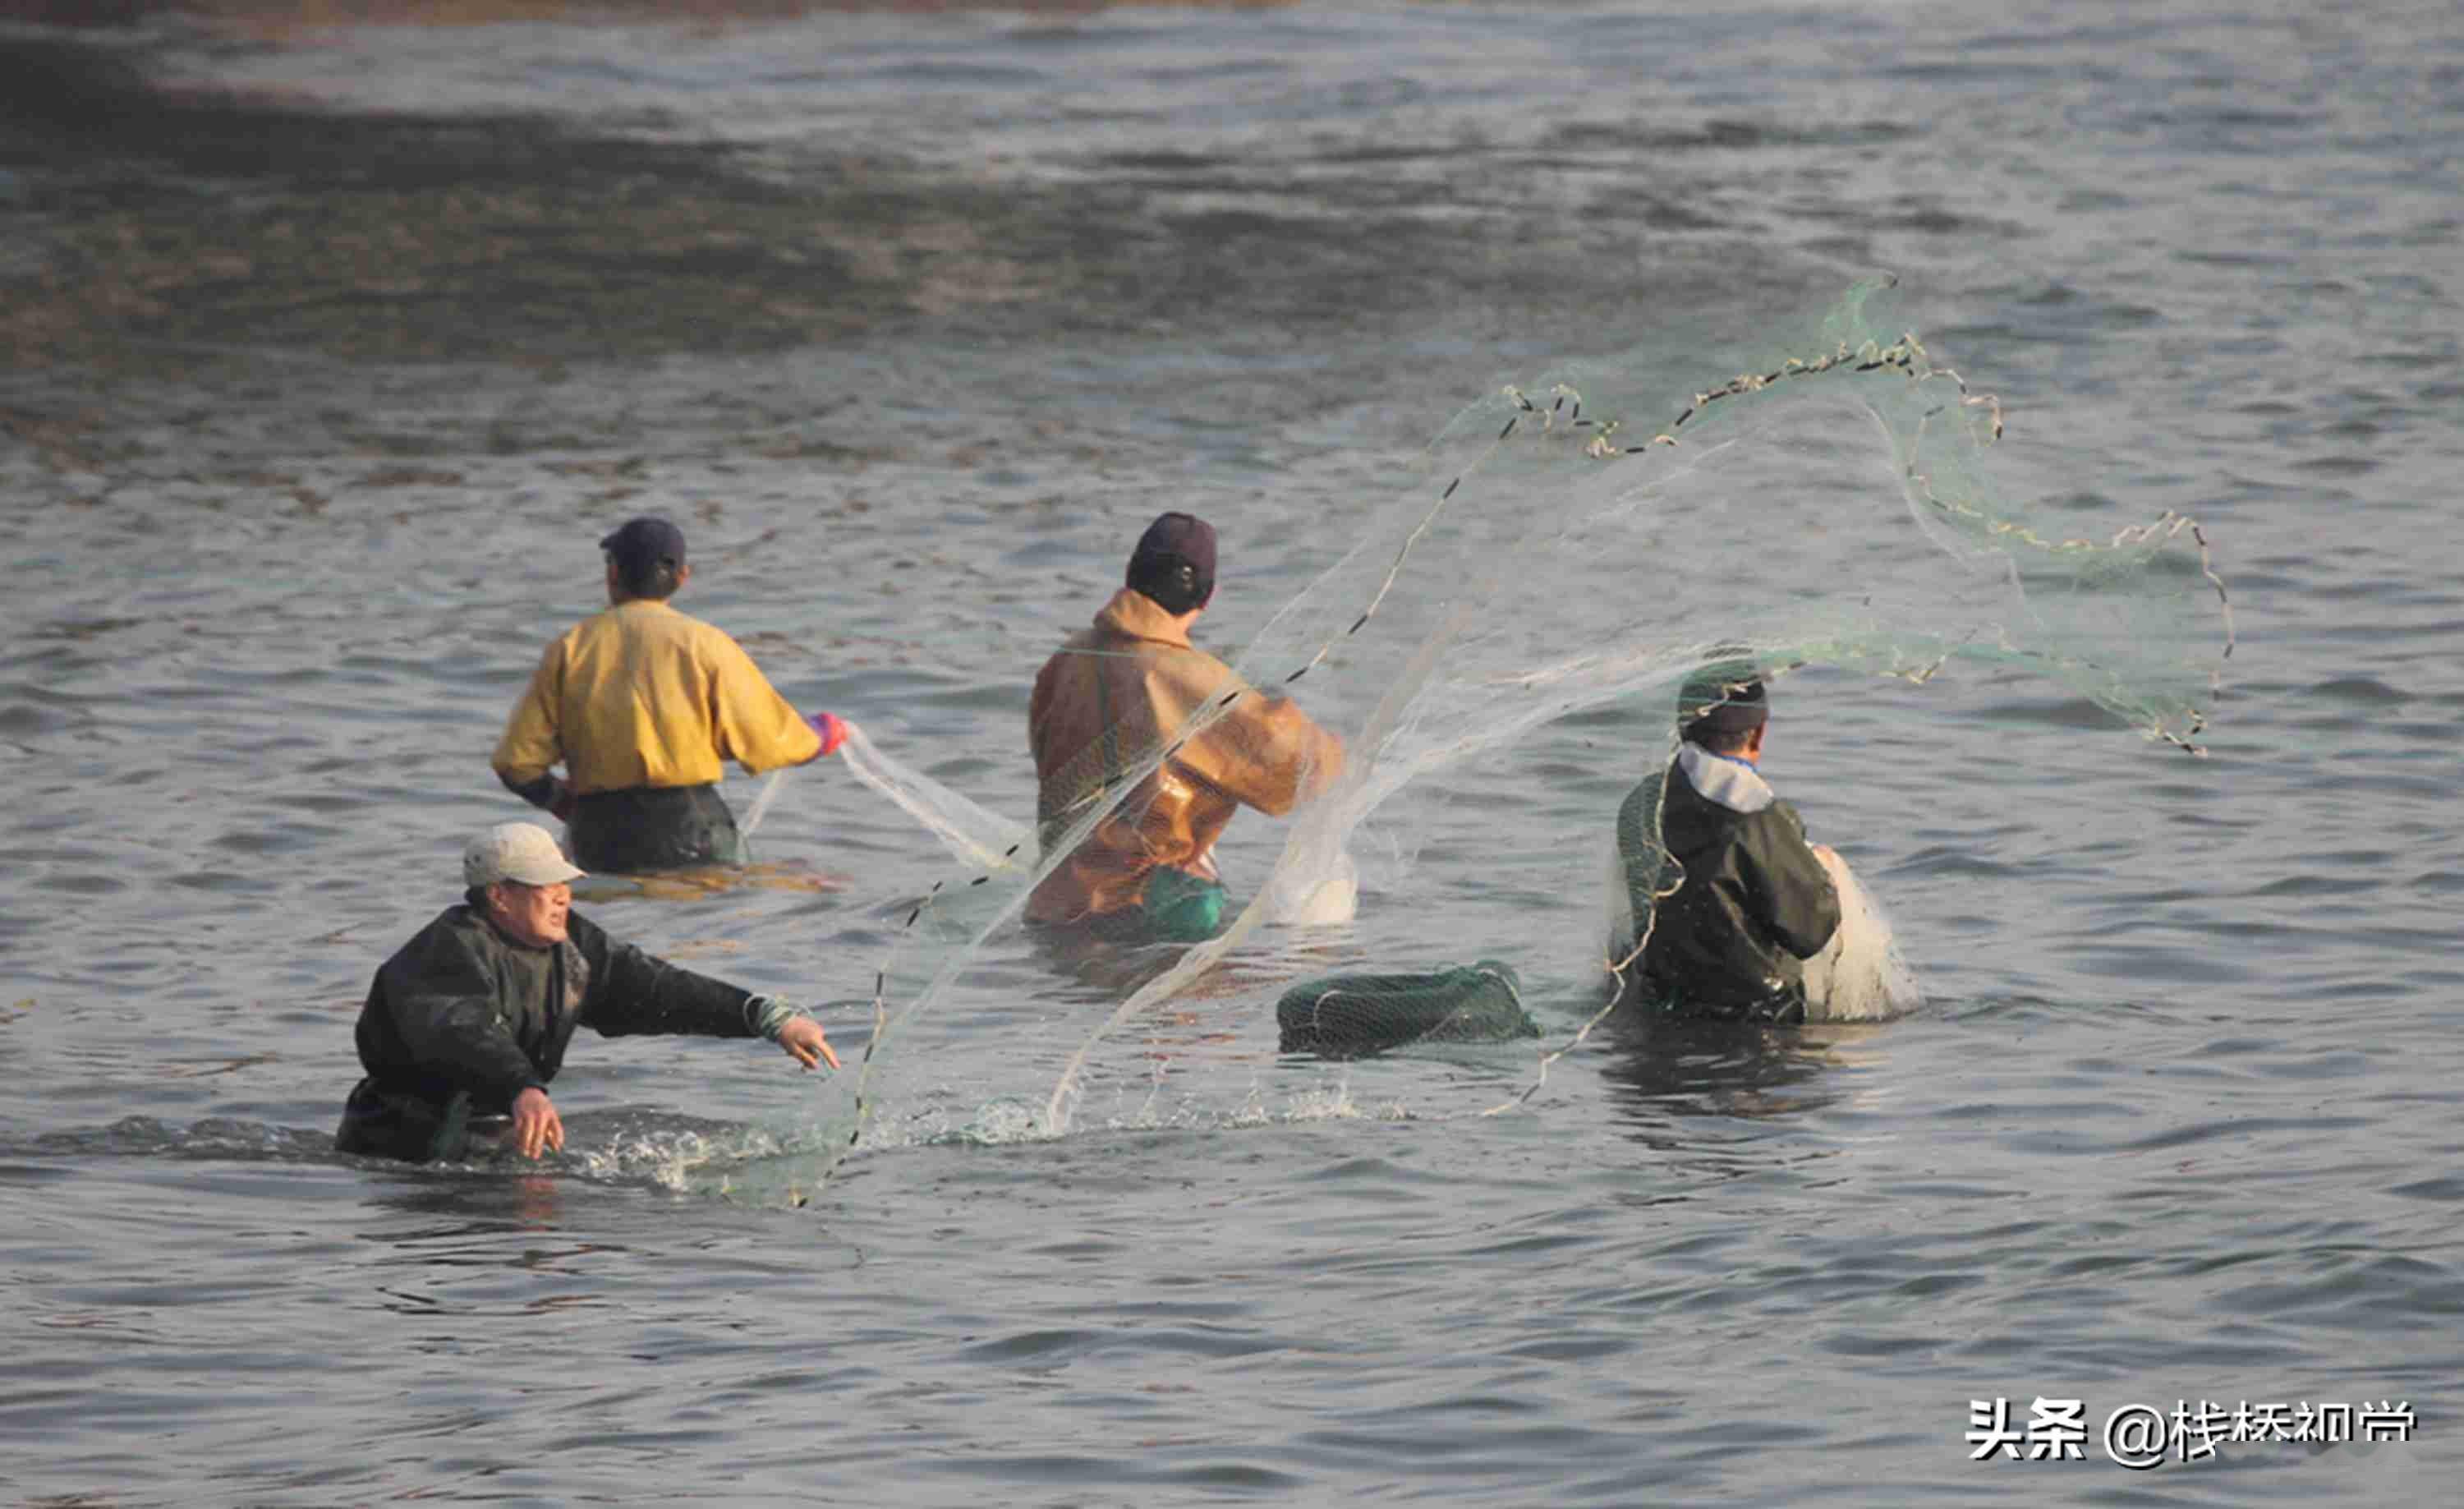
1116 695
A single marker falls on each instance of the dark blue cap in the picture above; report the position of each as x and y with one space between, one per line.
1178 539
645 542
1727 696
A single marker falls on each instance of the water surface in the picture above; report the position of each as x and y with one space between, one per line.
911 322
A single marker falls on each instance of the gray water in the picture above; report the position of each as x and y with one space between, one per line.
2175 1122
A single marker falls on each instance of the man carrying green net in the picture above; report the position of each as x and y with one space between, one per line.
1129 700
1728 893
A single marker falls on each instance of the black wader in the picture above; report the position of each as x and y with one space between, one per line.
648 829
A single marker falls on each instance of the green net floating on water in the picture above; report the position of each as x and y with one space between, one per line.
1349 1016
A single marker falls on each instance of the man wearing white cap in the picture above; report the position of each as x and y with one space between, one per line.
468 1022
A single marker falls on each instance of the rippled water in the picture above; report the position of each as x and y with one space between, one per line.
307 470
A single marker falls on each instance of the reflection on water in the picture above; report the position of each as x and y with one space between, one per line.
1659 1067
1104 970
474 1210
703 882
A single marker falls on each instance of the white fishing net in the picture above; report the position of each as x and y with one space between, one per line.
1568 549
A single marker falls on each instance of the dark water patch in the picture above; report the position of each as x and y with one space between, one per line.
2339 465
2367 1291
211 1138
2029 1010
1732 134
392 477
2165 896
1238 1477
28 721
229 883
2360 691
74 884
2234 256
1969 73
2231 1130
972 75
1401 1441
2228 130
1077 1473
1923 217
80 629
2262 119
364 228
1375 1173
1941 860
1482 1404
2442 359
1660 213
96 99
2064 713
1933 1286
1871 1346
76 855
1581 1348
2092 201
1193 164
2319 885
282 839
1385 154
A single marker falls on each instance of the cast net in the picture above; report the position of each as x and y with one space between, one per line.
1448 717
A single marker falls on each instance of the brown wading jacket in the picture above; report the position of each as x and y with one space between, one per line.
1107 703
1755 904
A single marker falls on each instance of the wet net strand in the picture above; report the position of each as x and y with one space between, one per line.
1594 439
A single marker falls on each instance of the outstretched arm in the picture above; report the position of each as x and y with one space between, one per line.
633 992
755 725
1265 752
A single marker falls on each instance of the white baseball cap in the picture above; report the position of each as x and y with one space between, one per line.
524 852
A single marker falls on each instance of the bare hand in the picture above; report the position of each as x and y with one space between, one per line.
801 1037
537 1127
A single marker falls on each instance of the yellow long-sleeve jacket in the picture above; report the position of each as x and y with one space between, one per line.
643 696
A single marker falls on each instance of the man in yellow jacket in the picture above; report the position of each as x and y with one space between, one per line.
1119 693
642 705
